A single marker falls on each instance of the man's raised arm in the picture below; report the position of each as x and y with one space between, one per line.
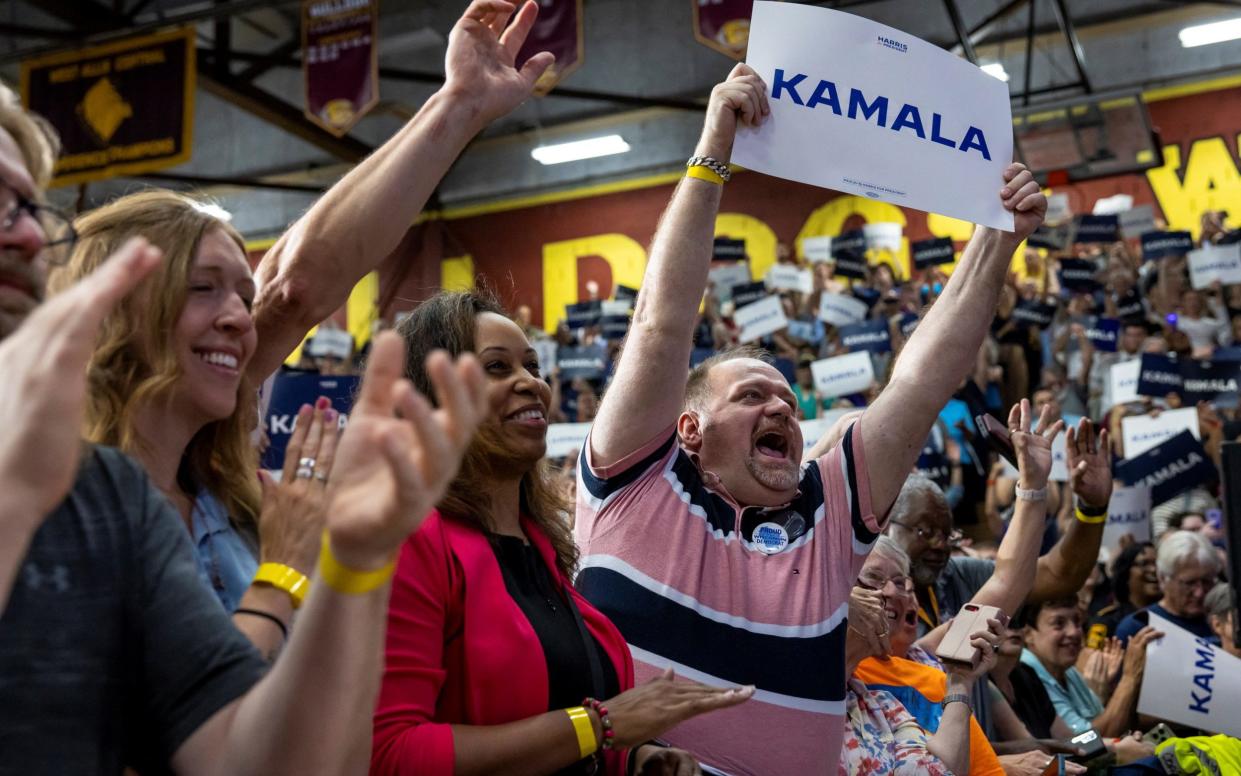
647 392
311 269
942 349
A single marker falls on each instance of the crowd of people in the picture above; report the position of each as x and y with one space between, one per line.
698 589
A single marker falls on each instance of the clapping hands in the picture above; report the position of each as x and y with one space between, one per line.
398 455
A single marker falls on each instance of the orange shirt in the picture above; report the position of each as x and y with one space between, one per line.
921 688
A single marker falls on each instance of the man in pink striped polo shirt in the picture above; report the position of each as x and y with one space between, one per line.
708 542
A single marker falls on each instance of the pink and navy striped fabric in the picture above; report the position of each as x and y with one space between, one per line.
664 558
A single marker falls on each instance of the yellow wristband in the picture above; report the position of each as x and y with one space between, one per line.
1090 519
704 173
587 744
285 578
343 579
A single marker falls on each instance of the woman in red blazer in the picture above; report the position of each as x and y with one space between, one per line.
490 650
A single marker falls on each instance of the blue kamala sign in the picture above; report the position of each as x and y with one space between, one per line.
908 117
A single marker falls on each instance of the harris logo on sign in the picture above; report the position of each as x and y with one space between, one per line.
895 45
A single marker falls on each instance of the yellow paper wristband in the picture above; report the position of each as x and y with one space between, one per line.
285 578
704 173
586 741
349 581
1090 519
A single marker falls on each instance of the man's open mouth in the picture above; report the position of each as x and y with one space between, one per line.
772 445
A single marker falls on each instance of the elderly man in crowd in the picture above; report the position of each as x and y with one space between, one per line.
704 538
921 524
1188 568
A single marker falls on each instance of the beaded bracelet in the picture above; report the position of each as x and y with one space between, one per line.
605 722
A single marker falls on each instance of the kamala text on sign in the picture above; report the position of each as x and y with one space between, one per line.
867 109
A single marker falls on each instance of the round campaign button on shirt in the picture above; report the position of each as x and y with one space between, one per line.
770 538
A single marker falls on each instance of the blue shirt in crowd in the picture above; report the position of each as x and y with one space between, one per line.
1138 620
1075 702
226 561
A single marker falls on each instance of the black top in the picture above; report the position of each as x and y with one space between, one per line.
559 629
112 652
1031 702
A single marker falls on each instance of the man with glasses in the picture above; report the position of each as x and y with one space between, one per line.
922 526
1188 567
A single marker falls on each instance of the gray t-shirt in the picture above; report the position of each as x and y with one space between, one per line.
960 580
111 650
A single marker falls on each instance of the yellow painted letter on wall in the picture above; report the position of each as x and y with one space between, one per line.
362 309
954 228
457 274
624 255
829 221
1211 182
760 240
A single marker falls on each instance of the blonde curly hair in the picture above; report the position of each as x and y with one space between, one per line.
135 364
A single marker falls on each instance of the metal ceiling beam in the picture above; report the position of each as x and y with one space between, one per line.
99 23
26 31
274 60
1075 46
984 27
958 26
281 114
206 181
1029 68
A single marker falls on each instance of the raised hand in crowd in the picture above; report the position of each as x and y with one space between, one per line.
961 676
1100 667
869 619
42 406
1134 663
361 220
482 51
1088 460
398 455
290 524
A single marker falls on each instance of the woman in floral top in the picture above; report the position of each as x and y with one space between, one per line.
881 735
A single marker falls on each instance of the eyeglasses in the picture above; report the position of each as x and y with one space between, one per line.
933 535
1205 583
58 232
875 582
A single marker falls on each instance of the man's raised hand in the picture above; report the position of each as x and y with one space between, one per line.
480 66
1023 197
741 97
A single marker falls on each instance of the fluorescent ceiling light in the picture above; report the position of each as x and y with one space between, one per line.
996 70
580 149
1216 32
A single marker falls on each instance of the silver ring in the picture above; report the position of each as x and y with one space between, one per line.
320 476
304 473
306 463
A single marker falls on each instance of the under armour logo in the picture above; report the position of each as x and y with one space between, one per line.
57 580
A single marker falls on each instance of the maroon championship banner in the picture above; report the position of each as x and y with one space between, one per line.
340 61
558 30
724 25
